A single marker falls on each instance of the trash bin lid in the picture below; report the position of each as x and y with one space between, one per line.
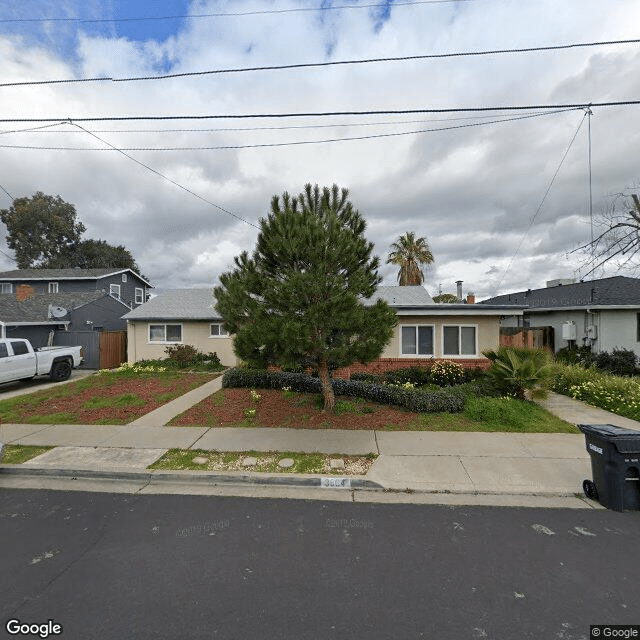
624 440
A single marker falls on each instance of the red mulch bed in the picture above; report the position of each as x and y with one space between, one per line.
274 410
147 389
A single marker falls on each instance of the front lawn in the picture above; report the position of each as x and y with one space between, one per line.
109 397
284 408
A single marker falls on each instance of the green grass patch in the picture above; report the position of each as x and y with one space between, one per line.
182 460
119 402
52 418
18 453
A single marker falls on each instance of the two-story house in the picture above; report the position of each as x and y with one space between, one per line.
41 304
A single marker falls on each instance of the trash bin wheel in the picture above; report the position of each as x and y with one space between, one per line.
590 489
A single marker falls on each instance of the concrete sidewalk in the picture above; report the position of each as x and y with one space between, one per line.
442 465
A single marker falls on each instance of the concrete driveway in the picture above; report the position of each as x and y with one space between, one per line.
12 389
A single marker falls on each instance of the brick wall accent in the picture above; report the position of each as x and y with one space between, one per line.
382 365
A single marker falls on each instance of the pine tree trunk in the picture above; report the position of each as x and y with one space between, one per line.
327 389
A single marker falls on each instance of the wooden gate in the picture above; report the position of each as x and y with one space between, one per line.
113 349
533 337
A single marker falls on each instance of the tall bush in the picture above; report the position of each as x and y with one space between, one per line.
517 370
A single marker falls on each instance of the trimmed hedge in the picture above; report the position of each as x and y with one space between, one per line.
416 400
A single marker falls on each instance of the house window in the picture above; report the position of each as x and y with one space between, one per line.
6 287
165 333
139 295
459 340
416 340
53 287
114 290
218 330
124 277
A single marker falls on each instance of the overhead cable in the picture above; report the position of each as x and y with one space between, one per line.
307 65
164 177
235 14
286 144
322 114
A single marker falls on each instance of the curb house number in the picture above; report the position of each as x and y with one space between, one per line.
335 483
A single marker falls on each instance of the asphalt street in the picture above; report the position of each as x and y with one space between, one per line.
106 565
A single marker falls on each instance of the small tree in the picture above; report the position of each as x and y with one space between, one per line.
299 299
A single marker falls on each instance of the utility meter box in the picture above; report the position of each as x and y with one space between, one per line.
569 331
592 331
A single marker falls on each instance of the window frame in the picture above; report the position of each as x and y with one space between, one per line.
53 287
139 292
221 329
6 287
416 354
460 327
165 325
112 290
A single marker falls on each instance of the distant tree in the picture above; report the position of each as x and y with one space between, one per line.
448 298
410 253
40 228
44 233
619 238
95 254
298 299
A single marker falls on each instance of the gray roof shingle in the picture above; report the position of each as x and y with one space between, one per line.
36 308
615 291
63 274
177 304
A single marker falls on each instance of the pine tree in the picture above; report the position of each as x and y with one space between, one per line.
298 299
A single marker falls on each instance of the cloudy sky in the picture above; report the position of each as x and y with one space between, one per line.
502 198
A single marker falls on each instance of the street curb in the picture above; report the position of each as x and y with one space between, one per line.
197 477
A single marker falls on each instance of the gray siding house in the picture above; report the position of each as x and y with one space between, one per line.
603 314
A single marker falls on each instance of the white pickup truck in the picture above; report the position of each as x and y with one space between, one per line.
19 361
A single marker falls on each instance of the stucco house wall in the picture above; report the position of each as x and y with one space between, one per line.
196 333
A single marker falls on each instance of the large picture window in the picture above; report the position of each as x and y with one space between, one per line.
459 340
165 333
416 340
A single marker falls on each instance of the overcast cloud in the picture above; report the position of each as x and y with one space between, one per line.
475 192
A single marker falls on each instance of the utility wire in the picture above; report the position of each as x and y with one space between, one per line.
50 127
284 144
382 5
10 196
164 177
307 65
535 215
321 114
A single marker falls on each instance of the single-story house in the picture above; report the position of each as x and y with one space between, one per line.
603 314
177 316
425 330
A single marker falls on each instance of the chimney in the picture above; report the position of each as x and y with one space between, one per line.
459 285
471 299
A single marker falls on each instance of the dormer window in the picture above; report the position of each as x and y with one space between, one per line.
53 287
114 290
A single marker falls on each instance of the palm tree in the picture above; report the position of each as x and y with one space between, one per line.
410 253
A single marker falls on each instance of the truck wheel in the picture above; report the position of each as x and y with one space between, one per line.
60 371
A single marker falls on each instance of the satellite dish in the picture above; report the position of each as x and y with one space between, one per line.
58 312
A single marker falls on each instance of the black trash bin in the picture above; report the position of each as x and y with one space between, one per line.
615 465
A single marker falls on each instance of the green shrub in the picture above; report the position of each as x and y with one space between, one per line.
621 362
517 370
182 354
415 375
413 399
575 355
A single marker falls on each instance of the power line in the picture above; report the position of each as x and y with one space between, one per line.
322 114
307 65
286 144
535 215
1 187
164 177
239 13
50 128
